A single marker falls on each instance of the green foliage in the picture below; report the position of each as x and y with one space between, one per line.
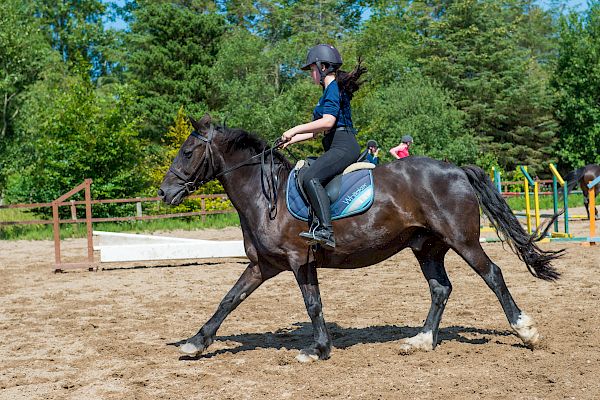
176 135
24 54
422 109
70 132
171 47
75 29
486 53
577 81
468 79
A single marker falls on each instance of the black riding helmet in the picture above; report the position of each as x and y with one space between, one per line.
323 54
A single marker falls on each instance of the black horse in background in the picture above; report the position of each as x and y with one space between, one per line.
427 205
583 176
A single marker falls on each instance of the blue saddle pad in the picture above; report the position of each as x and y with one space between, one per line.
356 196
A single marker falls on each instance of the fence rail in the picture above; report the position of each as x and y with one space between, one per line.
139 211
85 186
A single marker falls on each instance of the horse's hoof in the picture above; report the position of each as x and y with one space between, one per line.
527 332
306 358
421 342
190 350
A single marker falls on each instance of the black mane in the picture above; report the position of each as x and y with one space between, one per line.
238 139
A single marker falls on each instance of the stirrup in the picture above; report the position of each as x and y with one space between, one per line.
322 236
310 237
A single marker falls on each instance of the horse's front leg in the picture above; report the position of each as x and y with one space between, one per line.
251 278
306 276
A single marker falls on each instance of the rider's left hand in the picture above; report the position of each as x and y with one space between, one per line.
287 136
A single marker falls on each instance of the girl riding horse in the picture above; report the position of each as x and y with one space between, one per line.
333 116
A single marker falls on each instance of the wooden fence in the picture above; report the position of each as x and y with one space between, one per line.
89 219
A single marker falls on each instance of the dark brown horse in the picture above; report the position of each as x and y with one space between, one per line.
583 176
427 205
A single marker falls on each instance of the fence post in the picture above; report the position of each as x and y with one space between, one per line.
138 207
527 206
73 211
88 220
592 204
536 203
203 209
56 231
555 200
592 208
558 179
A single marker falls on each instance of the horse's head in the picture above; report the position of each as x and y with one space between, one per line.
193 165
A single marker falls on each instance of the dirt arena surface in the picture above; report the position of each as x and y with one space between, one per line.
106 334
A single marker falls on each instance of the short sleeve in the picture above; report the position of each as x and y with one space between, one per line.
331 101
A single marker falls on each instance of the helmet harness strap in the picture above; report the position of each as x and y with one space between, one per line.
322 73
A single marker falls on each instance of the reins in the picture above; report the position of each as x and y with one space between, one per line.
269 190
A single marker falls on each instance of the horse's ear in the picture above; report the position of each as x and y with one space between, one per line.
192 121
205 121
203 124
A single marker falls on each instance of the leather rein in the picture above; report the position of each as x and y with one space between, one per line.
269 182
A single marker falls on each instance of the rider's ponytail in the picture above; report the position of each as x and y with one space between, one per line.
349 82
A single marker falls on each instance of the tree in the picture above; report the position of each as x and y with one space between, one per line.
421 108
483 52
23 57
70 132
75 29
577 81
171 48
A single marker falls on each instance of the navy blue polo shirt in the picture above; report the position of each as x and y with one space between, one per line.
329 103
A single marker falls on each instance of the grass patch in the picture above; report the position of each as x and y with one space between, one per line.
517 203
44 232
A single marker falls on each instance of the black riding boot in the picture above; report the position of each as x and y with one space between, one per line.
319 201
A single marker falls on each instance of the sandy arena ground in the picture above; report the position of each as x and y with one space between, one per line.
107 334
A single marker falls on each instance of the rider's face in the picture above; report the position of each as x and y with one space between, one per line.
314 74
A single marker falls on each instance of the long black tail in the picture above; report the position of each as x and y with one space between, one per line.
573 177
510 230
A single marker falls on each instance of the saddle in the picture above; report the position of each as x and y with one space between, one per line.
349 193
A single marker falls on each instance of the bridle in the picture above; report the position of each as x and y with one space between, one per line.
192 183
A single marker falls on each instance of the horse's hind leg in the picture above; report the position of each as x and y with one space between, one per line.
586 200
521 323
252 277
431 258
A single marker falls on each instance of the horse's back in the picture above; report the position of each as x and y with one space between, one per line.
428 190
422 176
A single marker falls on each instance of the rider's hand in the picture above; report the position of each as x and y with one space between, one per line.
287 136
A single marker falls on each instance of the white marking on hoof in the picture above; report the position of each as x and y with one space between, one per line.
189 349
526 330
422 341
306 358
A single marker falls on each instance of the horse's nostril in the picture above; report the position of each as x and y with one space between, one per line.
161 193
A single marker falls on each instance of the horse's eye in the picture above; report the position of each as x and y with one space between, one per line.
188 154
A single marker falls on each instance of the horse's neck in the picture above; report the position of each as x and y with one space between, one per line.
245 190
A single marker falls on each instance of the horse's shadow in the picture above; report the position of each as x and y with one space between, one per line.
300 336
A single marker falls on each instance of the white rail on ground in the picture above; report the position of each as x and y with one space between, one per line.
121 247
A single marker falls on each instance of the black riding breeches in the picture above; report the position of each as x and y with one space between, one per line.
341 150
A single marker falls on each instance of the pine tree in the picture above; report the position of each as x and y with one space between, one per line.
172 46
483 52
577 81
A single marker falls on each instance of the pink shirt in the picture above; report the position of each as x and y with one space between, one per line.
400 151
